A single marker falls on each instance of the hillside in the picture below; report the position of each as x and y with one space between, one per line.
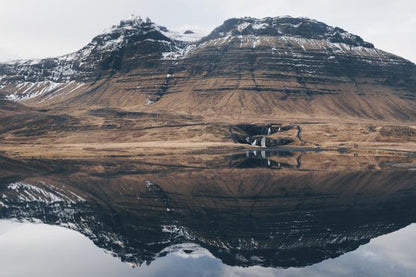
140 82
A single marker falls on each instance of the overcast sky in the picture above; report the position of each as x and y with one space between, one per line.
42 28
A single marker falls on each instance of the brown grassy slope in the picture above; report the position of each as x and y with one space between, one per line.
232 100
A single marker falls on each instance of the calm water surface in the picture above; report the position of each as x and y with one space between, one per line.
259 213
45 250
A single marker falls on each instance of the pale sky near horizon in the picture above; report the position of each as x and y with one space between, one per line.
47 28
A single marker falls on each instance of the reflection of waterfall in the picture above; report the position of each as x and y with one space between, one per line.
267 206
263 158
263 142
248 216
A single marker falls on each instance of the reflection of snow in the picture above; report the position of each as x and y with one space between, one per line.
187 250
177 231
29 193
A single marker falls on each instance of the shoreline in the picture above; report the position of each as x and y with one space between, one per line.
169 148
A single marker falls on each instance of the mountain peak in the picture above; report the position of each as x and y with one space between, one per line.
131 23
300 27
129 31
135 29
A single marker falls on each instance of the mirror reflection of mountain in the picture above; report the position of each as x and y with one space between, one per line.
318 206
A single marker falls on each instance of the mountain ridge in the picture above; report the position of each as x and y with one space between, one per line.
136 29
286 26
245 68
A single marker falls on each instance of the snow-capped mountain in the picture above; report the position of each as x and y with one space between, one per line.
138 63
134 36
286 27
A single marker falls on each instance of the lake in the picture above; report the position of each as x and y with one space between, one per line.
252 213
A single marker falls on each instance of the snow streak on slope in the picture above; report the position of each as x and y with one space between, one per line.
45 89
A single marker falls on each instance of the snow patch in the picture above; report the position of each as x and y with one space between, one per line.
258 26
243 26
178 53
30 90
185 36
187 251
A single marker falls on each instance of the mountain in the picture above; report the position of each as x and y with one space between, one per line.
141 210
138 88
247 67
117 49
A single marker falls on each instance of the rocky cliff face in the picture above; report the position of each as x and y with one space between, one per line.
276 66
